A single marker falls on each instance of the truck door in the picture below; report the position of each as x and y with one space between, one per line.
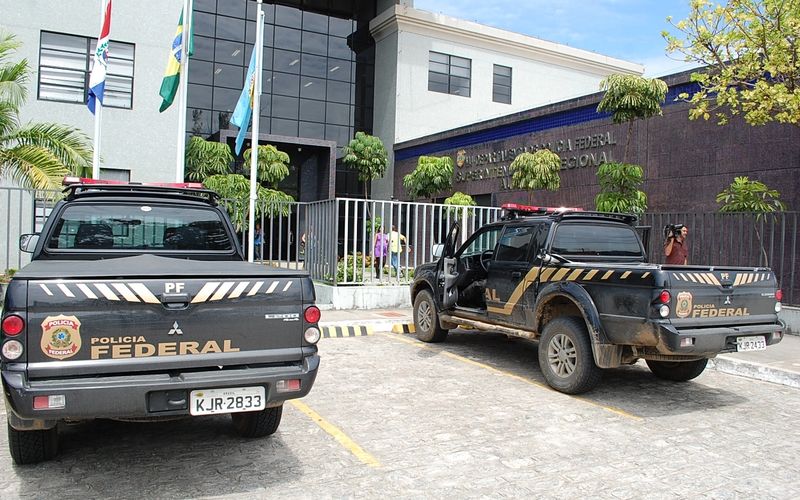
506 280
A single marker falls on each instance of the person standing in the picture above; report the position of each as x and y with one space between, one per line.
258 241
396 244
380 251
676 249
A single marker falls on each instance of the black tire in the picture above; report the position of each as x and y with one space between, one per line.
426 319
677 371
256 424
32 447
565 356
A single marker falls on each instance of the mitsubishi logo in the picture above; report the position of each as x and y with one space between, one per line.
177 329
727 300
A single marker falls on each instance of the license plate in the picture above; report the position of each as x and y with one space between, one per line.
750 344
230 400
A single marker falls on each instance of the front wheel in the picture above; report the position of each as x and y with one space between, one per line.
677 371
32 447
426 319
565 356
256 424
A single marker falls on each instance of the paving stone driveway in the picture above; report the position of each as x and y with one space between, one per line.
392 417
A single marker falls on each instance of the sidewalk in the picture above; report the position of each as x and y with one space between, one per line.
779 364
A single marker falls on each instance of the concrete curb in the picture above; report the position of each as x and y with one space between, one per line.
755 371
336 332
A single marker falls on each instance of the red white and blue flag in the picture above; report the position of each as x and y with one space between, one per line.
97 79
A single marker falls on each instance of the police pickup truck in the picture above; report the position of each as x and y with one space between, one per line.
579 283
137 305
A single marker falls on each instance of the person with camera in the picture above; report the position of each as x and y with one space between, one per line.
675 248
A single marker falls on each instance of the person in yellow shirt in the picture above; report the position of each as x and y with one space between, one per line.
396 244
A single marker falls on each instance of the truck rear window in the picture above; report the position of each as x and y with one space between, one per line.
139 227
607 240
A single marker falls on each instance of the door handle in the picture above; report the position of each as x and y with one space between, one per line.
175 300
516 274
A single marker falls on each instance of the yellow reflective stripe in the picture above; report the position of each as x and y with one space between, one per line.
607 275
126 292
66 290
107 293
645 275
143 292
255 289
738 279
272 287
749 278
87 291
574 274
625 275
238 290
205 292
546 273
560 274
532 274
225 288
590 274
713 279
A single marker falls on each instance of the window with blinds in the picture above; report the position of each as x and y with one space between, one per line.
65 62
501 90
449 74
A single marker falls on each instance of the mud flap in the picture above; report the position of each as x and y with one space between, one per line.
607 355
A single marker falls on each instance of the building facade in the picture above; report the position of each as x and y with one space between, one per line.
686 163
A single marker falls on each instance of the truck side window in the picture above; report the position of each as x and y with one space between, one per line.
610 240
515 244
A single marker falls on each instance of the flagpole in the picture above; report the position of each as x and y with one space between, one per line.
182 90
98 110
258 48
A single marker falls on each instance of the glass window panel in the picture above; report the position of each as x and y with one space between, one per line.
340 69
221 120
439 58
284 127
315 43
268 9
226 75
337 114
202 24
269 34
199 96
285 84
66 43
312 88
315 22
314 66
286 61
287 38
339 91
501 90
266 82
461 72
120 67
285 107
203 48
264 126
288 16
438 78
199 121
439 67
229 53
205 5
201 72
266 107
57 93
234 8
341 135
119 50
502 80
460 62
230 28
502 70
225 99
312 130
66 60
337 47
437 86
312 110
63 77
501 97
341 27
456 81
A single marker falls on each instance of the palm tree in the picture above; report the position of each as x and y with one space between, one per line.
35 155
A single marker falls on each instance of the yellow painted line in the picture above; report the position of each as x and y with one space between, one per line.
337 434
403 328
514 376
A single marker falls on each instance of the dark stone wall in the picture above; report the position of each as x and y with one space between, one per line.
686 163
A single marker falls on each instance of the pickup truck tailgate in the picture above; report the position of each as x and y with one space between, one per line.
100 324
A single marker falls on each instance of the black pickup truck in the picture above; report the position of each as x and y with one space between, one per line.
579 282
137 305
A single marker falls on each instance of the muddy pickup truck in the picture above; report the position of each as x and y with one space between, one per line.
579 283
137 304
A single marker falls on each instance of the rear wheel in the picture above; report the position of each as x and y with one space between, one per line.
255 424
565 356
677 371
426 319
31 447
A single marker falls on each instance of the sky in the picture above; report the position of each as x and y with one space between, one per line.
625 29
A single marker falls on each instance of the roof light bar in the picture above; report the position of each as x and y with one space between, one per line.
516 207
72 180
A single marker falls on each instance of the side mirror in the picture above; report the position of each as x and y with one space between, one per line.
27 242
545 257
437 250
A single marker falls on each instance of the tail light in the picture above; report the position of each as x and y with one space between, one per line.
12 349
312 314
664 297
13 325
779 295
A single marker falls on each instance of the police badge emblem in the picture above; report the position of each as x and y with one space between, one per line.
684 306
461 158
61 336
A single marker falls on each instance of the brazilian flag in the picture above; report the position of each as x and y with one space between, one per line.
172 76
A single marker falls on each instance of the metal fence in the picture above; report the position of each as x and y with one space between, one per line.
334 239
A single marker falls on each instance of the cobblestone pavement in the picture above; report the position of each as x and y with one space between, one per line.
392 417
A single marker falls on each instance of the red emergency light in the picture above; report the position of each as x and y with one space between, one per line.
530 209
71 180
